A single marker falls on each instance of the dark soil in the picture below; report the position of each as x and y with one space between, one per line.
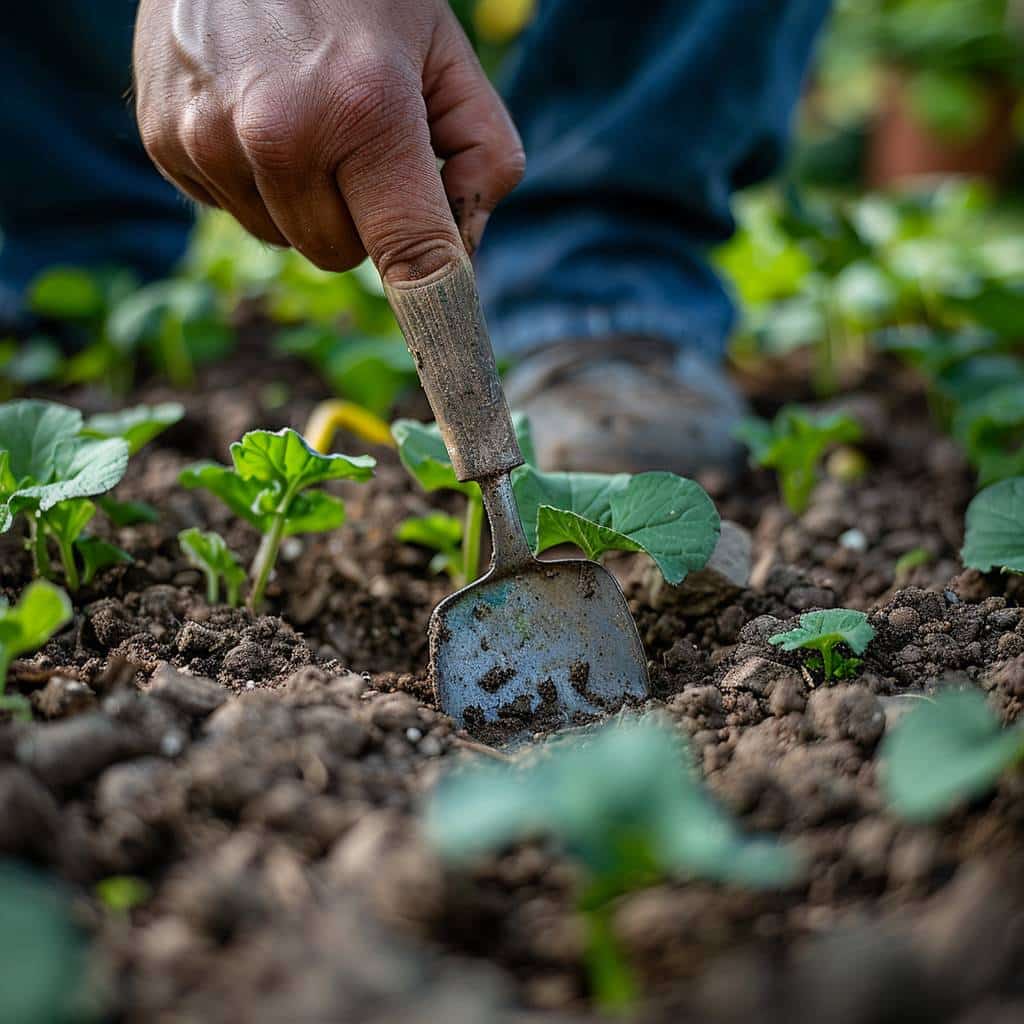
264 775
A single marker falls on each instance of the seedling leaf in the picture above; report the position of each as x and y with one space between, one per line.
793 444
137 426
824 630
98 555
210 554
948 750
438 532
995 528
666 516
285 461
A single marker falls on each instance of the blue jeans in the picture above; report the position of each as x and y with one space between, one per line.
639 123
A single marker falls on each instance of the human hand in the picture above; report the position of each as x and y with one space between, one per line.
318 124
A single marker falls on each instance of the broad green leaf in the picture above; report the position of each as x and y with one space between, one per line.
947 751
67 293
32 361
209 553
793 445
32 430
255 501
43 952
995 528
624 801
983 424
823 630
666 516
425 456
27 625
138 318
98 555
285 460
67 519
137 426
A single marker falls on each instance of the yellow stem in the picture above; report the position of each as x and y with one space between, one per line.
333 415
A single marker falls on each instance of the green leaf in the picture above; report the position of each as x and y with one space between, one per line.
669 518
98 555
209 553
43 952
122 893
824 630
138 318
793 445
137 426
67 519
128 513
438 532
66 293
624 801
255 501
425 456
995 528
286 461
948 750
32 430
27 625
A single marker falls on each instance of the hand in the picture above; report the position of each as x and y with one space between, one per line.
318 124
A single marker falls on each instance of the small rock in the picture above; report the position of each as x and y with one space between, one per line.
63 697
846 713
195 696
395 711
854 540
755 675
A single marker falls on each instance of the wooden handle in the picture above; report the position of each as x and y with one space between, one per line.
447 336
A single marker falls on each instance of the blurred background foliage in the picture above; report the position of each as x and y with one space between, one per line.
899 211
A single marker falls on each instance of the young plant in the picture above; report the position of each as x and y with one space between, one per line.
626 804
793 444
995 528
441 533
208 552
991 430
823 632
663 515
272 486
42 610
949 750
424 455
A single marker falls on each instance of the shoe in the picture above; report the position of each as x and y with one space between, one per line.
627 405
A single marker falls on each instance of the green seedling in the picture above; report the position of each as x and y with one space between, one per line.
51 462
793 444
823 632
441 533
424 455
626 804
44 953
668 518
909 561
372 372
995 528
950 750
208 552
991 430
26 626
34 361
663 515
272 486
121 894
178 322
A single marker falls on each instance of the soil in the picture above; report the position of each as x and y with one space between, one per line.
264 775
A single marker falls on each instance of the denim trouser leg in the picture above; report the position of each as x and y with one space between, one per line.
76 186
639 120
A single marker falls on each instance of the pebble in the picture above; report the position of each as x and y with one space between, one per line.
854 540
413 735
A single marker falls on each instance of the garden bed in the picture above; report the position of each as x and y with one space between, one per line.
263 776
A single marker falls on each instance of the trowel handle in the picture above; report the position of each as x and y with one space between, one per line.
444 328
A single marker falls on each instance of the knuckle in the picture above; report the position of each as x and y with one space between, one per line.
404 253
158 140
266 125
370 102
510 168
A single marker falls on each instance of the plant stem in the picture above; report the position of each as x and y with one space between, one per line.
212 586
174 350
37 542
232 592
67 558
826 661
612 981
266 556
471 530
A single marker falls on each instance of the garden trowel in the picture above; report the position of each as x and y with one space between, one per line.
531 645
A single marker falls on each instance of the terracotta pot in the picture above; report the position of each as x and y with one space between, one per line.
902 148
